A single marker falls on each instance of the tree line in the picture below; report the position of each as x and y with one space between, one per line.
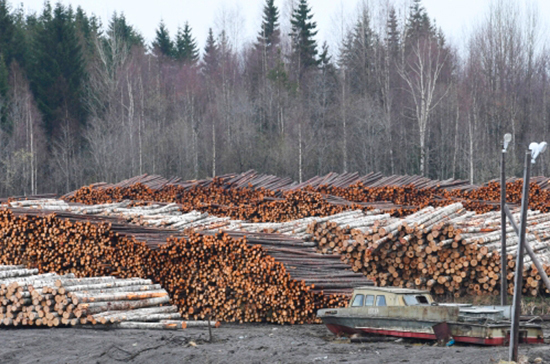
81 102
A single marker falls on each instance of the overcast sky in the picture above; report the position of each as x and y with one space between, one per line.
243 17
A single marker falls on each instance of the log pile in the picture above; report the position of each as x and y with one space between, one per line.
480 199
239 204
170 216
263 198
446 250
384 248
487 197
256 181
288 242
206 275
31 299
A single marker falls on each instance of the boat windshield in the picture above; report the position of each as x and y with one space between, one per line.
358 301
414 300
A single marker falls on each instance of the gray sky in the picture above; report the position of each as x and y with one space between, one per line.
242 17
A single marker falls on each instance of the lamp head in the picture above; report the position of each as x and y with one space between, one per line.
536 149
542 147
507 140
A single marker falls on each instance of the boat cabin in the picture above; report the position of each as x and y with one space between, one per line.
389 296
413 313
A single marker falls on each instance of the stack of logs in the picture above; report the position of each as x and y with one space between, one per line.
31 299
271 199
479 199
241 204
487 198
206 275
287 242
445 250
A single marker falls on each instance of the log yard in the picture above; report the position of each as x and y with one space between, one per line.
242 264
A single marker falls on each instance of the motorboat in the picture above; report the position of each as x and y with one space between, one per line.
411 313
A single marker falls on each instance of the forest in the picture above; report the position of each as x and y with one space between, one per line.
82 101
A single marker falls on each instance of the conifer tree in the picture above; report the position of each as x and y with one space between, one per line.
325 62
186 46
163 44
118 27
211 56
7 29
392 33
358 54
19 49
269 34
304 46
418 24
58 68
87 30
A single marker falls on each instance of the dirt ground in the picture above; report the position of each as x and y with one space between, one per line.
233 343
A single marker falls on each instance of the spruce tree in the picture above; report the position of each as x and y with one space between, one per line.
6 30
358 55
304 46
118 27
211 54
418 24
20 42
58 68
186 46
392 33
87 30
163 44
269 33
325 60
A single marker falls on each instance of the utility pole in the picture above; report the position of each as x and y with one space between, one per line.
503 255
530 158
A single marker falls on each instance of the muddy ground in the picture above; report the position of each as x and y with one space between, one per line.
232 343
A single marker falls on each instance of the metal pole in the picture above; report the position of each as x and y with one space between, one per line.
503 260
518 282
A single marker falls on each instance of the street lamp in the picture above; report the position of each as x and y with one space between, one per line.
536 149
507 140
503 260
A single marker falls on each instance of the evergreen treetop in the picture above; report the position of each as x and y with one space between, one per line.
325 60
119 28
269 33
58 68
7 30
186 46
162 44
211 56
392 33
302 34
358 54
418 24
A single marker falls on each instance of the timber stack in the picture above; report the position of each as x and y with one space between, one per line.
287 242
446 250
31 299
206 275
263 198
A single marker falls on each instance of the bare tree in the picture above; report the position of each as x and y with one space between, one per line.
27 136
421 73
